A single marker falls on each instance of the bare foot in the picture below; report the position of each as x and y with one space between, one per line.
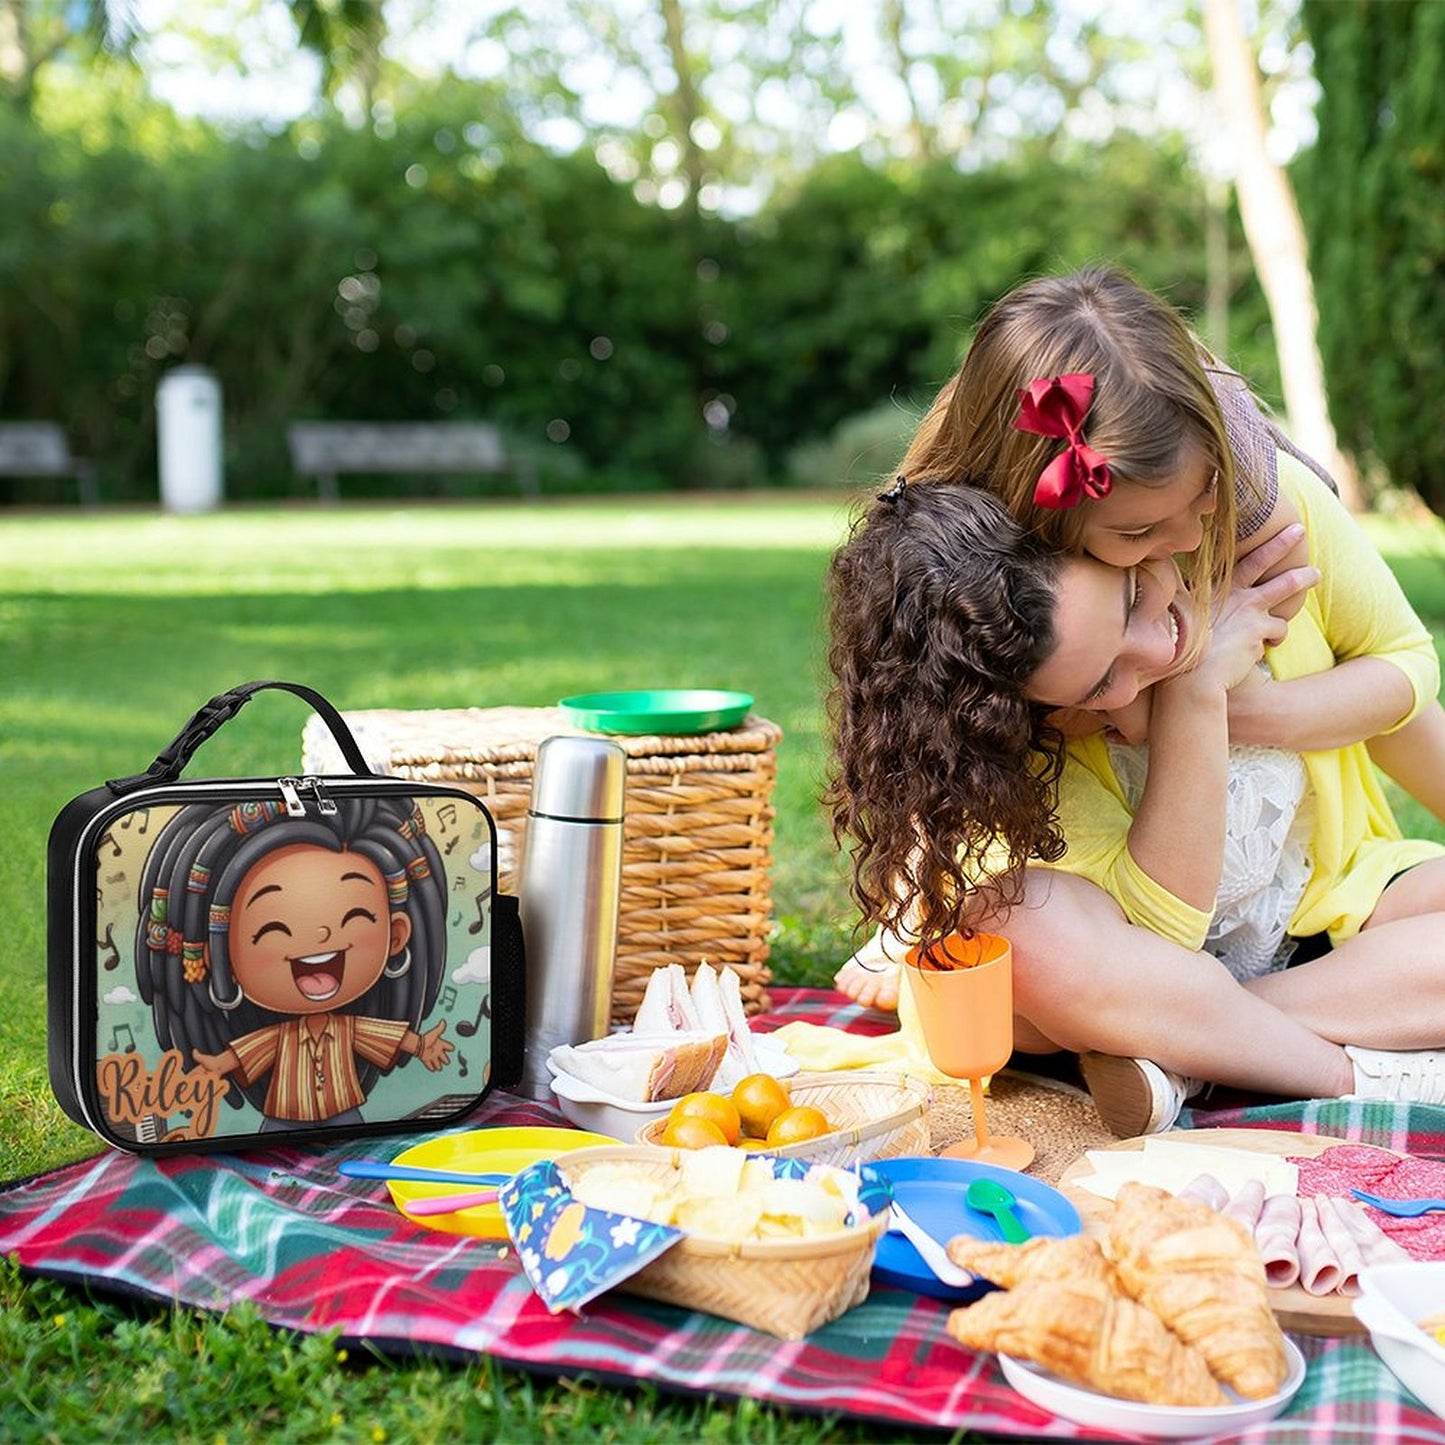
870 977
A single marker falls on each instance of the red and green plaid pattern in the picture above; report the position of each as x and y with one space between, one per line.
314 1251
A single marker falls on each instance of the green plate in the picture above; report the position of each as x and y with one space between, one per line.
661 710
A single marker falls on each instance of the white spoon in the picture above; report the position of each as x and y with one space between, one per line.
932 1252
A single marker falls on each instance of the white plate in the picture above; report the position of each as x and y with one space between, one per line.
1161 1422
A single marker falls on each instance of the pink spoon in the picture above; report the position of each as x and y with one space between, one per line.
450 1203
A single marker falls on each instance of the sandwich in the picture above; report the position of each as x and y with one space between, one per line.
645 1068
713 1003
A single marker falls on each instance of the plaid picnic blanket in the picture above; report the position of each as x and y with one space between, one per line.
315 1251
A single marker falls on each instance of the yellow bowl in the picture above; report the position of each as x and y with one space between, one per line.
480 1151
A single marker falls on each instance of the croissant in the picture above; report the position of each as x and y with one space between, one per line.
1201 1273
1079 1256
1090 1335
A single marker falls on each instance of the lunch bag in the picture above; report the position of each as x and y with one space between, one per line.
235 961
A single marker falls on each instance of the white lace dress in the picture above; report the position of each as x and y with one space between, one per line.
1266 852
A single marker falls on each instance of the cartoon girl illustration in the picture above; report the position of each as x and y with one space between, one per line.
296 957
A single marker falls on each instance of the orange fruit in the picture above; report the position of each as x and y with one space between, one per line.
716 1108
760 1098
801 1121
692 1133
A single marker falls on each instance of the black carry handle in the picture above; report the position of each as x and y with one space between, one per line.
222 708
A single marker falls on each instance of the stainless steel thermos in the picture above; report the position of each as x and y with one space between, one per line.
571 882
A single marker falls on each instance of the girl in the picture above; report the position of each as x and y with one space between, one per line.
955 638
1192 468
296 957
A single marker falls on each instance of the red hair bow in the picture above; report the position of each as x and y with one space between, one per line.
1056 407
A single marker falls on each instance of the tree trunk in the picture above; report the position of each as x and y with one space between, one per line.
1276 239
686 108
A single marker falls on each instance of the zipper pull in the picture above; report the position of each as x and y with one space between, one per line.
291 796
323 802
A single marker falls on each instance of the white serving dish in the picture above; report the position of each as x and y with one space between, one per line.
1153 1422
1393 1299
588 1107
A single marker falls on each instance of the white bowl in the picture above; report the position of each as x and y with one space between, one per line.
588 1107
1393 1299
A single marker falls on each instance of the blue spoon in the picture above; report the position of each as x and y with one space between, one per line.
380 1169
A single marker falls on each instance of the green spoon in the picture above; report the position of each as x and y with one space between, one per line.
990 1197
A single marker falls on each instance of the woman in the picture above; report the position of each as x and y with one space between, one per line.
957 637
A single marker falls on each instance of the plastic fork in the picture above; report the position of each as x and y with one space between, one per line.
1403 1208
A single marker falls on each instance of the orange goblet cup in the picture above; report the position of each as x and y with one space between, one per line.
963 991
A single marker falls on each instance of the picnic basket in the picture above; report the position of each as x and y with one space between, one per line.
876 1116
697 835
785 1287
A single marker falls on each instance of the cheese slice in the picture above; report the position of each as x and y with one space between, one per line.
1171 1163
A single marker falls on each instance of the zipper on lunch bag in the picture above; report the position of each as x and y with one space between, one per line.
292 789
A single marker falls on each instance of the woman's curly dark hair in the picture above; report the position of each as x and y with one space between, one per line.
944 774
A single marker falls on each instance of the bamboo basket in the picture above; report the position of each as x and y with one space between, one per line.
876 1116
697 835
786 1288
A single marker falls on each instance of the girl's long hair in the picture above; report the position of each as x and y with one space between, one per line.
943 771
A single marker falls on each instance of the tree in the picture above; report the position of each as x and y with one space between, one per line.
34 33
1371 191
1276 241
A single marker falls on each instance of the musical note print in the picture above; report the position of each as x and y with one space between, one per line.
451 845
144 814
468 1027
115 877
447 814
110 954
115 1045
480 900
449 998
109 837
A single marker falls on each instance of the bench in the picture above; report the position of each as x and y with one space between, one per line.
326 450
39 449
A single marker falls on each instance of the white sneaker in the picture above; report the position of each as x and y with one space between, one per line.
1407 1076
1135 1096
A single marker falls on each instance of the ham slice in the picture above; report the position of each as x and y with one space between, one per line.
1376 1247
1207 1190
1320 1271
1247 1204
1276 1234
1341 1242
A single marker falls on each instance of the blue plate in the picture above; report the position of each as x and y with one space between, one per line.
932 1191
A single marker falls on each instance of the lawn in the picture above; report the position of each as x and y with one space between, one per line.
114 627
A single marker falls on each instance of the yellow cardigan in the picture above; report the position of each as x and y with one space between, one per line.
1357 610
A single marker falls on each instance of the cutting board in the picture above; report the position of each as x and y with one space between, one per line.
1295 1308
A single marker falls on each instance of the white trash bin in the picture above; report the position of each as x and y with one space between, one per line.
188 425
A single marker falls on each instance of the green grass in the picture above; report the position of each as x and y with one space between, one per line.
114 627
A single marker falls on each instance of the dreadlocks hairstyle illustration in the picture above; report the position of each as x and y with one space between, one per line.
297 957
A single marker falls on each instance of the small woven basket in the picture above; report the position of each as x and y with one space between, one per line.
785 1287
697 834
875 1116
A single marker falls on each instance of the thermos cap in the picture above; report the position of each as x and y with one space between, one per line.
581 778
